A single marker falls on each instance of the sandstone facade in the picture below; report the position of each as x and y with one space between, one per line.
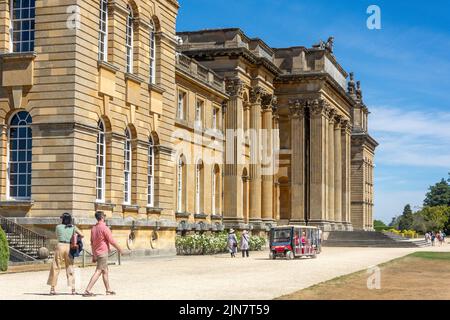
129 117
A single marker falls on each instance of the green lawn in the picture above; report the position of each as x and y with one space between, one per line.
432 255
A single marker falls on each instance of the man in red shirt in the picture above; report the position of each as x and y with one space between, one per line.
101 240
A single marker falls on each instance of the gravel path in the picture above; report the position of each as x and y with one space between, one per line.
208 277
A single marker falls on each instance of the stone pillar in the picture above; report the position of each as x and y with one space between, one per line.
233 215
267 164
318 173
338 173
330 167
255 155
297 109
276 148
346 173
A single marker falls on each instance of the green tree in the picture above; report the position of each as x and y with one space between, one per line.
438 195
406 220
394 222
436 218
4 251
379 225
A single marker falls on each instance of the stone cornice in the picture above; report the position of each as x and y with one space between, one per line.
365 138
311 76
233 52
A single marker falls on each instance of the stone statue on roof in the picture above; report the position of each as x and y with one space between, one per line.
325 45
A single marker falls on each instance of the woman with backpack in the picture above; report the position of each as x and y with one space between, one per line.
65 234
245 244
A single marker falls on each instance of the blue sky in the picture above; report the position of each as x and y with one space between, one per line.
404 69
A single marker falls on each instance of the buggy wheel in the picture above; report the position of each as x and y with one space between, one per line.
272 256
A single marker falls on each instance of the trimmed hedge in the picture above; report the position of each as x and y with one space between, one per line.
200 244
4 251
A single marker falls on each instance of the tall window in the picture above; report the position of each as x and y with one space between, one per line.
101 162
151 174
198 113
152 53
129 40
215 118
180 184
215 190
181 105
19 164
127 168
103 31
198 186
22 25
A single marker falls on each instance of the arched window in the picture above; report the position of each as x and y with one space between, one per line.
19 161
101 162
152 52
127 168
151 174
22 25
129 40
198 187
215 194
103 31
181 172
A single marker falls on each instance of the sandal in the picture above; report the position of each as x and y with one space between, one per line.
110 293
88 294
52 292
74 292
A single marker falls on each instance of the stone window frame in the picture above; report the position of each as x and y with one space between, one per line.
129 40
181 183
152 51
25 116
127 167
200 103
151 173
103 32
215 190
199 186
182 108
101 135
31 18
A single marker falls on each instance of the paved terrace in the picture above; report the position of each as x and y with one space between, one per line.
208 277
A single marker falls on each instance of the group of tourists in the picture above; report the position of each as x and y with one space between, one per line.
435 237
244 244
69 246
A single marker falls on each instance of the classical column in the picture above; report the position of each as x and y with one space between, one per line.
297 110
267 164
276 150
338 173
330 180
346 173
255 152
233 203
318 157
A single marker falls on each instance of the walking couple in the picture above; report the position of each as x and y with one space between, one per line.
101 240
244 244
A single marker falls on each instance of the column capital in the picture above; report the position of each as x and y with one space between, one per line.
338 122
235 87
268 101
256 94
346 126
319 107
297 108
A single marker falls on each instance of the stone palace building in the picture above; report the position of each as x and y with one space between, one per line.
103 106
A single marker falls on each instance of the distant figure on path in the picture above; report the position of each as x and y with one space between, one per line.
101 240
433 238
232 243
245 244
64 233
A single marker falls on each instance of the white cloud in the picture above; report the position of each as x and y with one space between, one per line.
411 138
